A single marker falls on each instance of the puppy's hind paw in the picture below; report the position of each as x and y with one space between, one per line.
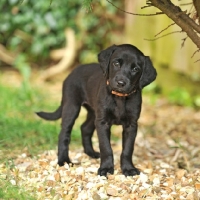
93 154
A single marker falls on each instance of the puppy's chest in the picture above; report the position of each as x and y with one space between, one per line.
119 107
118 111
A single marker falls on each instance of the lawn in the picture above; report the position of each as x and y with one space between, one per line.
20 128
22 132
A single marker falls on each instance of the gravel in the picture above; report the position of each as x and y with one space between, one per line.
166 152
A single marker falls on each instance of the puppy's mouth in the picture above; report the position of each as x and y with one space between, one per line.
119 90
122 93
124 90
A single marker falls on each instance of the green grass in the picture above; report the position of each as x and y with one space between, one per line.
20 127
22 131
11 192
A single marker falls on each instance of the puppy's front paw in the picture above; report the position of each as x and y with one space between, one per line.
131 172
63 160
104 171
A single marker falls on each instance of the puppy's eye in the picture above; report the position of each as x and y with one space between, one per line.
135 69
116 64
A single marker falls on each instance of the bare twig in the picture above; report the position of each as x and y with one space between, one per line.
158 13
143 7
195 53
164 35
183 43
197 61
165 29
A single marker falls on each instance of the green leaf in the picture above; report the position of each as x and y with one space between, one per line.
87 5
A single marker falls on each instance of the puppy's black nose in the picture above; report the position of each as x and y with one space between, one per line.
121 83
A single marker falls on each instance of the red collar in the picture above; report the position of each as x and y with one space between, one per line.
120 94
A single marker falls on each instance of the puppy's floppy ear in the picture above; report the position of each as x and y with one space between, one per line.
149 73
104 58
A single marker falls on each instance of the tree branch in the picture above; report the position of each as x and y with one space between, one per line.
180 18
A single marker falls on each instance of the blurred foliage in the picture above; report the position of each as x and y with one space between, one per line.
34 28
176 95
183 97
180 96
87 5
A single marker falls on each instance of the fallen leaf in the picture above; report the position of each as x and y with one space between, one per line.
112 192
57 176
180 173
197 186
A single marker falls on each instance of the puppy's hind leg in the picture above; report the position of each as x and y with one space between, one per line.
87 130
69 114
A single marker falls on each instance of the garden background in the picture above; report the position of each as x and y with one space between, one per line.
42 41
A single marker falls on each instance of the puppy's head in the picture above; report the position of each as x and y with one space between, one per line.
126 68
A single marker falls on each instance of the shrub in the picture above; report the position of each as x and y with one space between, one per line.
33 28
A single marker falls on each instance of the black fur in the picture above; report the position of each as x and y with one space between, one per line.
122 69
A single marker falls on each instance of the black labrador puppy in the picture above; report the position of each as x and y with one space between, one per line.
111 93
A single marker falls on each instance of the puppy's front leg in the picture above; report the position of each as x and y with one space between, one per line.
129 135
106 154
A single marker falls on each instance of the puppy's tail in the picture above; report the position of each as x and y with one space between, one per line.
51 116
